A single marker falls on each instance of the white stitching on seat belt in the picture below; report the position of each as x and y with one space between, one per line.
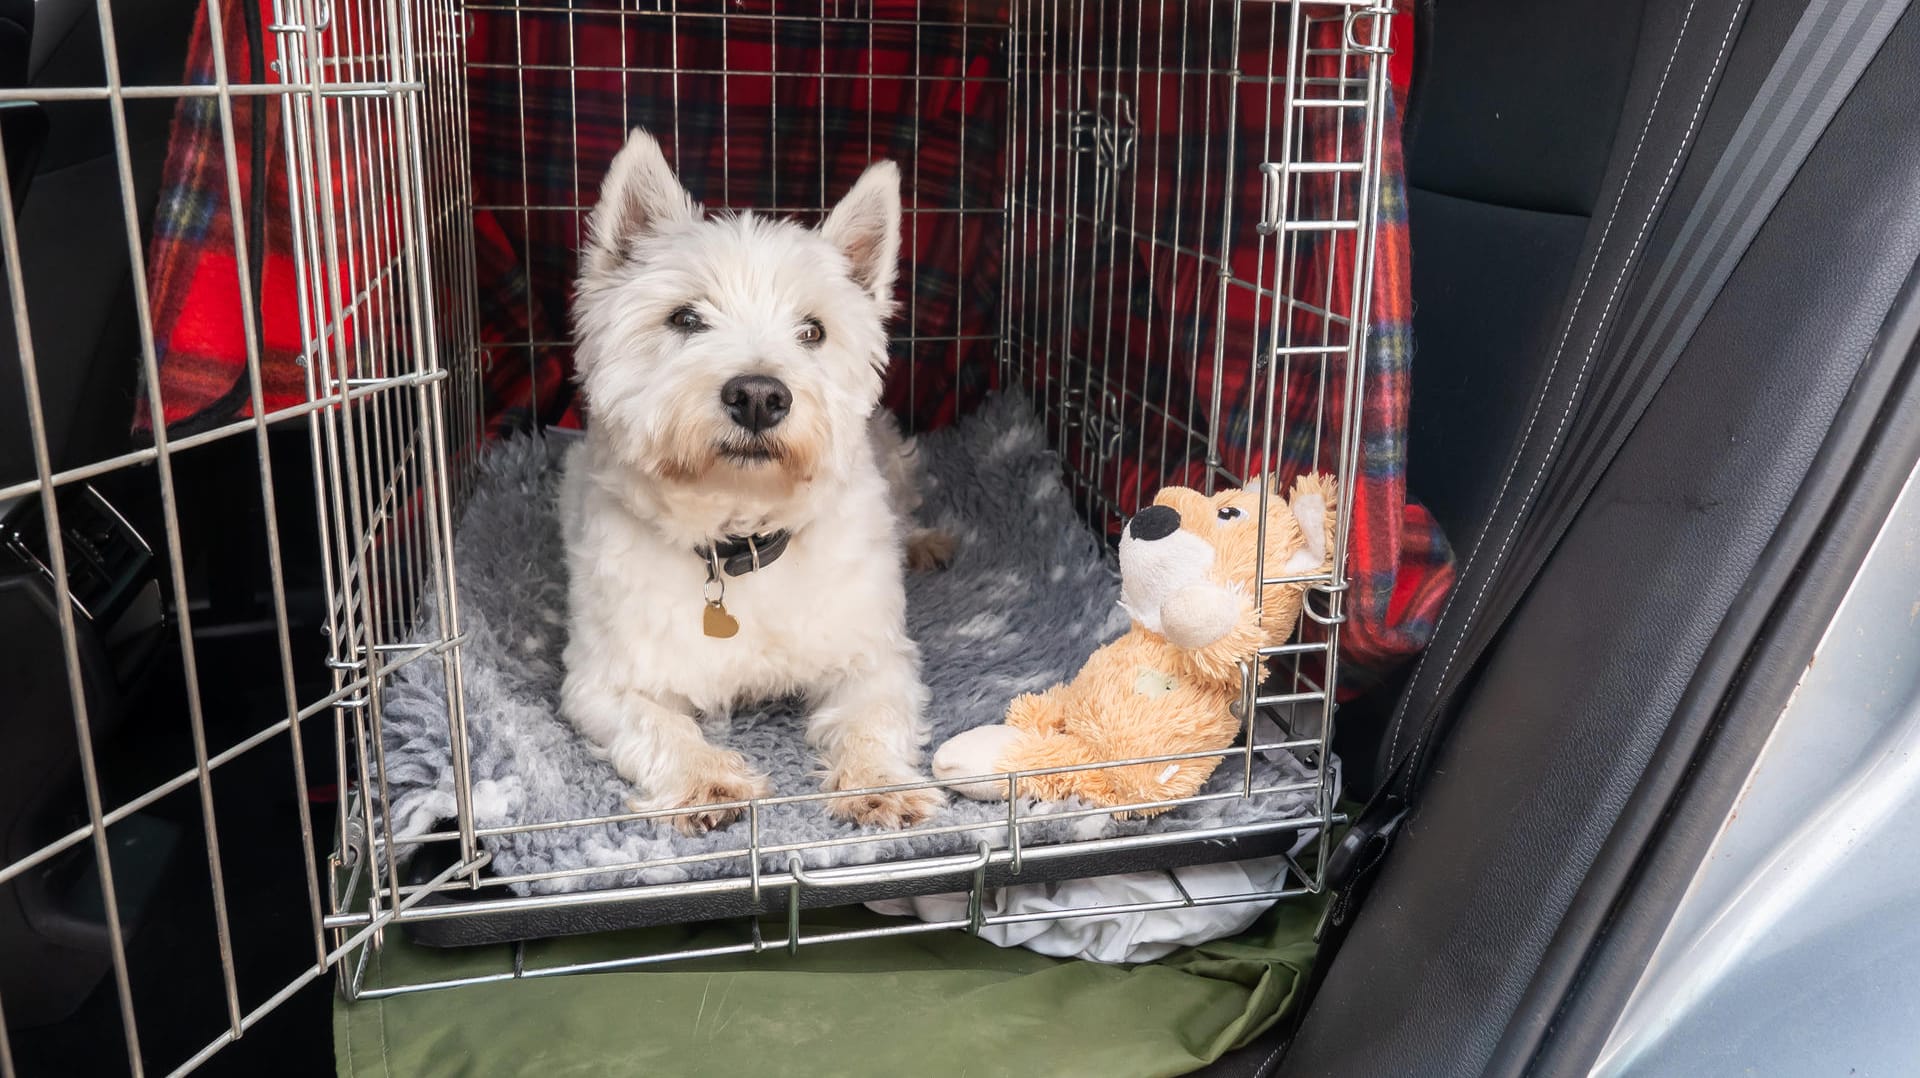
1592 346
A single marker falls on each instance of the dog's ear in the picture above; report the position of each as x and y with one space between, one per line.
866 228
639 194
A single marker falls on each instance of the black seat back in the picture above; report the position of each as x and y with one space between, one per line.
1558 722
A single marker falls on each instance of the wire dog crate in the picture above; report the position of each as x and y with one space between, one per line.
1154 219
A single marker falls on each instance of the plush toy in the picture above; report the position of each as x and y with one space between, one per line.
1172 684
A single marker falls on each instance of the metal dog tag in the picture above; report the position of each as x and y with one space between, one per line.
717 623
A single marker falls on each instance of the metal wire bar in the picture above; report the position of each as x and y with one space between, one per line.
1213 260
773 17
35 94
336 452
170 519
319 968
1179 204
764 850
297 149
756 851
903 338
526 221
921 784
279 416
6 1046
430 401
64 605
1277 375
807 210
1220 332
1362 293
1009 856
177 782
1133 226
292 128
1115 494
1003 357
913 223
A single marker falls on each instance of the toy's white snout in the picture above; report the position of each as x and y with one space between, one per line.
1156 563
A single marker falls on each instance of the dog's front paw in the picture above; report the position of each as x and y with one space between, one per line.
928 550
729 780
892 811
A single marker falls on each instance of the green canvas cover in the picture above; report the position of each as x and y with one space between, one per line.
939 1003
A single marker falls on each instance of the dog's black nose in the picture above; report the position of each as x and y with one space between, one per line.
756 401
1154 522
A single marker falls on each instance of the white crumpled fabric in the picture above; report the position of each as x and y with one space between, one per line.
1118 937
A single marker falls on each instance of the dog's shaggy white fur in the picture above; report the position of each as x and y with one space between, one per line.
672 310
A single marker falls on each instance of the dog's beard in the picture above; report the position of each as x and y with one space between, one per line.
766 464
692 449
752 450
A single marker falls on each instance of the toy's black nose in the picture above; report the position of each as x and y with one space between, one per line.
756 401
1154 522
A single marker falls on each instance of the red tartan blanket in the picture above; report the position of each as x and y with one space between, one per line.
192 268
193 282
550 98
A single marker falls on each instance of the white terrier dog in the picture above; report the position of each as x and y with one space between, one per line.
735 516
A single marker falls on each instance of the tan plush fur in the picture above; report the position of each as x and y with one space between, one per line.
1144 695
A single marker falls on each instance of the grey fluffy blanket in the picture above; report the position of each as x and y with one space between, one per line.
1031 594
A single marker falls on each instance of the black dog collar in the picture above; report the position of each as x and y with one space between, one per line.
742 554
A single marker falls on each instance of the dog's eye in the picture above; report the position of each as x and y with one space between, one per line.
1230 513
812 332
686 319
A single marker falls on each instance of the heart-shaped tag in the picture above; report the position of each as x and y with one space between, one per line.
717 623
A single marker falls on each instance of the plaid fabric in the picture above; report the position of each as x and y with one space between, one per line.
192 269
750 121
1158 334
553 93
1400 566
192 278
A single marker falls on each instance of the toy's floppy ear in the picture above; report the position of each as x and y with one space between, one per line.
1313 505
